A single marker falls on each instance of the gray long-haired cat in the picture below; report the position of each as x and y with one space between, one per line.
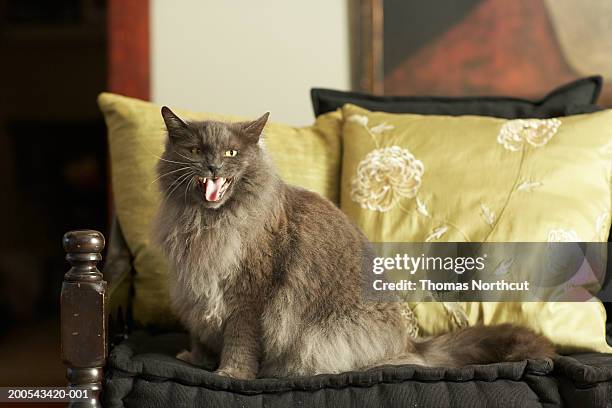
268 277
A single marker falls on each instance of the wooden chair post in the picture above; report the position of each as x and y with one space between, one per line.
83 314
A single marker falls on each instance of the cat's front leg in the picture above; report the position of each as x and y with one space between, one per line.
241 352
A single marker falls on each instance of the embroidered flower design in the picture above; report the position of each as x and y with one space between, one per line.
487 214
437 233
383 127
458 314
562 235
359 119
375 130
536 132
503 267
528 186
421 207
385 176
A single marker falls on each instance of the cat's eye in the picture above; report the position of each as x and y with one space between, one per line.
230 153
195 150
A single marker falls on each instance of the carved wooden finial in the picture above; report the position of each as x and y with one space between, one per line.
83 313
83 251
83 241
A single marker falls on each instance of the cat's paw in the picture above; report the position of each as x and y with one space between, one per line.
205 361
236 373
185 355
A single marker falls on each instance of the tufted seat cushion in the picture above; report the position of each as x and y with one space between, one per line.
142 371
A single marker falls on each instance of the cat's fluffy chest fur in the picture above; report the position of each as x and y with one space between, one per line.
207 260
199 283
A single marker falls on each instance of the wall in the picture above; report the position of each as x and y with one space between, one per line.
245 57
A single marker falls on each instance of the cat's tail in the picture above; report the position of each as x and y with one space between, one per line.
478 345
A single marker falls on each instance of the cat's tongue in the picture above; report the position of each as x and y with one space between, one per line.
213 188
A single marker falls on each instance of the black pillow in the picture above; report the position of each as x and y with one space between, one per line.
570 99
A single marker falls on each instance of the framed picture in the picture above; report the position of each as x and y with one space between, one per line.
519 48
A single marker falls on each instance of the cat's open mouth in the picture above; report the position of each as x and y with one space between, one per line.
214 187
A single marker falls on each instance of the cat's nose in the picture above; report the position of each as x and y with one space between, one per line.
214 168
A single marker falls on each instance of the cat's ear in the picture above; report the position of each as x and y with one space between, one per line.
252 130
174 124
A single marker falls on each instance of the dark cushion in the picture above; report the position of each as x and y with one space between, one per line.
585 380
142 371
573 98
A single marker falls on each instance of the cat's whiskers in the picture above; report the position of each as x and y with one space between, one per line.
188 187
173 184
171 161
184 157
180 179
177 183
170 172
160 158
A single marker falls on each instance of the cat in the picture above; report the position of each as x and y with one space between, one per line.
268 277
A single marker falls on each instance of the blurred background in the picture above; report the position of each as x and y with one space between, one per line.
52 169
241 57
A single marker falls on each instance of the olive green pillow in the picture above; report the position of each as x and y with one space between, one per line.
305 156
414 178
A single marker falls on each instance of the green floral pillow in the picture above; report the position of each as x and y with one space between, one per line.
413 178
471 178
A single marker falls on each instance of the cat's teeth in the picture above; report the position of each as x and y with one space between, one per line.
214 187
